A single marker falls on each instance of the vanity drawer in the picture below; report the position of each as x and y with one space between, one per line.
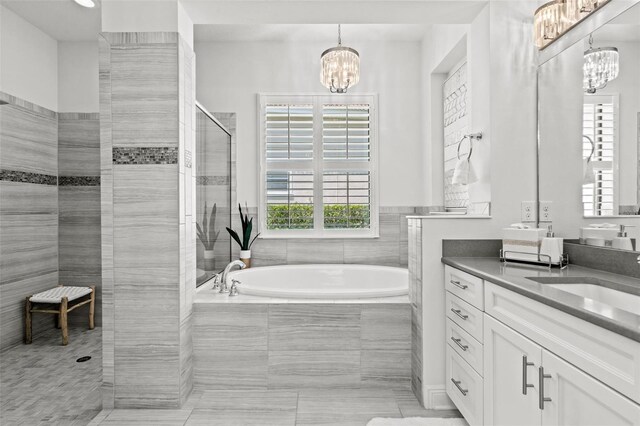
466 286
464 315
465 345
464 387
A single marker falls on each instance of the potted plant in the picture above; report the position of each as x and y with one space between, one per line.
208 236
246 242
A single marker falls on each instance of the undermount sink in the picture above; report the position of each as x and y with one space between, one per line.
597 290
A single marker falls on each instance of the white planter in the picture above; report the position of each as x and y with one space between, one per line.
209 261
209 254
245 256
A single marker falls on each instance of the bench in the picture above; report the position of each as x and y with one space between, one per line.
58 300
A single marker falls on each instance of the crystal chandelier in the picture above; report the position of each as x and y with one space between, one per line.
556 17
340 67
600 67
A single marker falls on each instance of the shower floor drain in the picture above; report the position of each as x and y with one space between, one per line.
83 359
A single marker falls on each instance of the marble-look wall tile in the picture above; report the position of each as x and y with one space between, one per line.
13 296
314 327
28 141
376 252
299 369
220 369
232 327
315 251
386 326
386 368
144 90
78 144
20 198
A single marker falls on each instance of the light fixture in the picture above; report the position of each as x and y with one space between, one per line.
601 65
553 19
340 67
86 3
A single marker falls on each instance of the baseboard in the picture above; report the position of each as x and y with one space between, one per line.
436 398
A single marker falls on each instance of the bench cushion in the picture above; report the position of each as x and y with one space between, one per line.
56 294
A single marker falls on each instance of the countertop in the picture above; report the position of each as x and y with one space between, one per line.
513 276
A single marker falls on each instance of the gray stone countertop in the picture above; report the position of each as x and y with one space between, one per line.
514 276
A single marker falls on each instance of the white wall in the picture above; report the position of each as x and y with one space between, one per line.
511 104
230 74
29 61
78 77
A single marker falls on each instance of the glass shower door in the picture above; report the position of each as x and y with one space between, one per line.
213 196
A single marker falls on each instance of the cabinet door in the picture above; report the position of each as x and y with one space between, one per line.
511 363
578 399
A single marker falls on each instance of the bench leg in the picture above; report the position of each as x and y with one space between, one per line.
27 321
63 321
92 308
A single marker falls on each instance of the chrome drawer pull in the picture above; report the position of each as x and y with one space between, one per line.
457 284
525 364
460 345
457 383
458 312
541 398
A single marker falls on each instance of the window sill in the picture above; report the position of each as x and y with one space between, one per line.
334 235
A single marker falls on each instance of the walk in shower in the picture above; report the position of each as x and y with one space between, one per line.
213 194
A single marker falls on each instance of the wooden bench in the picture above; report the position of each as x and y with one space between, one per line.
60 296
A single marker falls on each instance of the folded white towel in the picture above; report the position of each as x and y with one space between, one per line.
519 226
464 174
589 175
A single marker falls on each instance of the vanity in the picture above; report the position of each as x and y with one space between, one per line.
530 345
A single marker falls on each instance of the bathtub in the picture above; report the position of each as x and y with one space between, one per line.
322 281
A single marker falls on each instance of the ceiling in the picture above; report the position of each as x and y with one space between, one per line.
309 32
402 20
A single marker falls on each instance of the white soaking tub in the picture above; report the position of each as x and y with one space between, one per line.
322 281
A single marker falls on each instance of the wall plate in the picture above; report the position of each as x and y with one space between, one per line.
528 211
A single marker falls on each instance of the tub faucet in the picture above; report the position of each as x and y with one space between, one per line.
227 269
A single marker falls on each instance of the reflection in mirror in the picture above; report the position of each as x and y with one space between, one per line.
589 134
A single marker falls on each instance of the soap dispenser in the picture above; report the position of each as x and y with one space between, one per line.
622 241
551 246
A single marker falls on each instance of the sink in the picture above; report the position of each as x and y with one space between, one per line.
620 296
615 298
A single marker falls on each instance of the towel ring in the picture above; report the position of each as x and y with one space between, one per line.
471 137
593 147
470 147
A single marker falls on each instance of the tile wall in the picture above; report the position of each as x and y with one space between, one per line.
28 212
147 124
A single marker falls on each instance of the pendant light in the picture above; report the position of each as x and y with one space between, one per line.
340 67
601 65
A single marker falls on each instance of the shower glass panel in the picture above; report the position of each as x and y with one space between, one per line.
213 195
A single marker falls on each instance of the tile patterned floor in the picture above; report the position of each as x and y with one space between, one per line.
279 407
42 384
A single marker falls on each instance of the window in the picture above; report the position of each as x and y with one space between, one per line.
318 166
599 122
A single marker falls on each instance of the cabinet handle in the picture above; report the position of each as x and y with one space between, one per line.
541 398
457 383
525 364
458 312
457 284
460 345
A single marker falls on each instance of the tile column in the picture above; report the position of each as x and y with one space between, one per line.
147 125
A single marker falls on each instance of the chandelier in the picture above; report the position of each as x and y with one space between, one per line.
556 17
601 65
340 67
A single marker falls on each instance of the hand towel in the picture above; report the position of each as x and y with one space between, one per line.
464 174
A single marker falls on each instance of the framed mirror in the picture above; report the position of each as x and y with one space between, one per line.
589 134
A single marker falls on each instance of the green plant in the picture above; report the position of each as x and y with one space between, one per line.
247 228
300 216
208 234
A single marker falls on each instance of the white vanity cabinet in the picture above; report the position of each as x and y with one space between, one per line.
540 366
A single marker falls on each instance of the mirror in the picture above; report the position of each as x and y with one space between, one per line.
589 134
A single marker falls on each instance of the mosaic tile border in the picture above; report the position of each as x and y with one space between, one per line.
145 155
187 159
79 116
28 177
212 180
79 181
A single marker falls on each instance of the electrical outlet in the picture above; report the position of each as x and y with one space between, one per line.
528 211
546 211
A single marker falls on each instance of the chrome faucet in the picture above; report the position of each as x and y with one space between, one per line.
227 269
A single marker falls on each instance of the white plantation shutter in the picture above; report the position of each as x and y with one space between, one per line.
600 124
318 166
